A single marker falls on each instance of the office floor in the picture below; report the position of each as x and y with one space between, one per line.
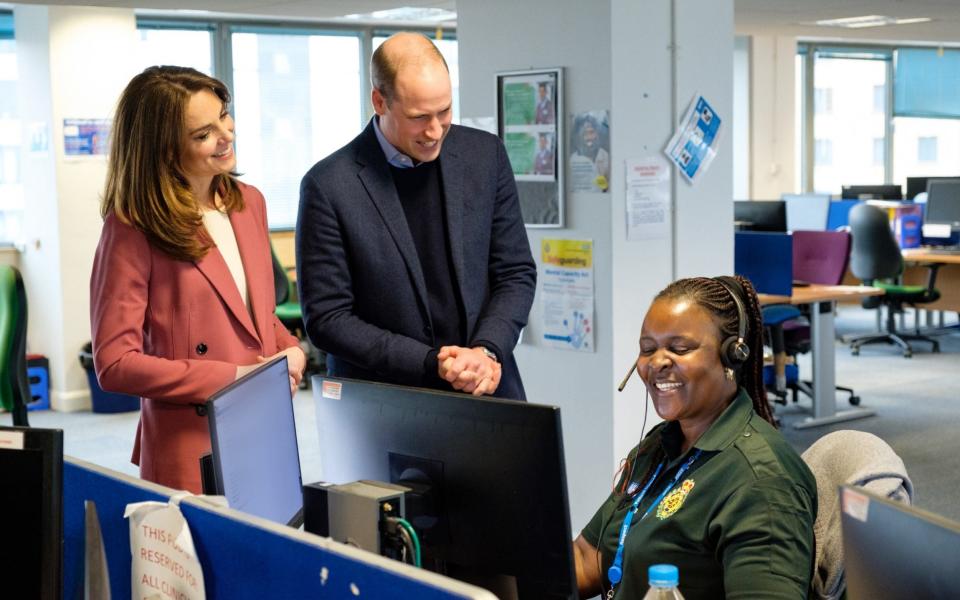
916 401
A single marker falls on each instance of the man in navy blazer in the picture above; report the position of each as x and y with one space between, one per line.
413 261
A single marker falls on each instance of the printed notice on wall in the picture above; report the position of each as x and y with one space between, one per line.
164 562
85 137
694 144
648 198
567 295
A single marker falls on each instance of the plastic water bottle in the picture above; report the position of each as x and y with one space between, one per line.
663 583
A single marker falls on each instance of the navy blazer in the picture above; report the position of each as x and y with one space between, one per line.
361 285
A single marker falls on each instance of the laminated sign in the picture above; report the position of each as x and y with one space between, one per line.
164 562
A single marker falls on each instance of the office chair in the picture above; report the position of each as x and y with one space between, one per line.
876 260
818 257
289 313
852 458
14 385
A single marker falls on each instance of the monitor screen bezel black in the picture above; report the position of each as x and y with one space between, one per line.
277 364
773 213
49 443
943 203
886 191
917 184
880 530
355 418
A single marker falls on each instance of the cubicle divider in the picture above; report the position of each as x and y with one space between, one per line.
242 556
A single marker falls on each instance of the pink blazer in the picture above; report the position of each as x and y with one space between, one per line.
173 333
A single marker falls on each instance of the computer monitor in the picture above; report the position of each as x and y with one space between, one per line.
760 215
896 552
495 469
915 185
253 439
943 203
31 555
807 212
871 192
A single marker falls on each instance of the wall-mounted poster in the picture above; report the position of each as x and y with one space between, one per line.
86 137
529 121
590 152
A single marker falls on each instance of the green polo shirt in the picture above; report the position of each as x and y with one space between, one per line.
738 524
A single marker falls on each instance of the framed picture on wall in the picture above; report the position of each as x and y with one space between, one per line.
530 123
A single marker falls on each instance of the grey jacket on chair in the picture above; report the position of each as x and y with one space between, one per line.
854 458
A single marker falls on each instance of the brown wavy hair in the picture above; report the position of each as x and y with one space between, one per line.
146 187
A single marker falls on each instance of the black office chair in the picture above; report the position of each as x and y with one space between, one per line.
14 385
876 260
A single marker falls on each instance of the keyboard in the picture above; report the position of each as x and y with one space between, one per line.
945 250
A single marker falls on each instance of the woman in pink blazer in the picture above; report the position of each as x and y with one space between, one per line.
181 295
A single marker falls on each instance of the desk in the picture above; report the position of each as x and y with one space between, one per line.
821 298
948 276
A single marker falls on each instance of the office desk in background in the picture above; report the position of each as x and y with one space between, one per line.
821 299
948 276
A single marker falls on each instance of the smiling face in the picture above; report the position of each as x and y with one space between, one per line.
417 118
207 149
680 365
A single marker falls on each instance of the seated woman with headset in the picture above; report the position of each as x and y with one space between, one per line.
714 489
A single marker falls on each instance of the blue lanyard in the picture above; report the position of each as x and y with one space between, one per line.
615 572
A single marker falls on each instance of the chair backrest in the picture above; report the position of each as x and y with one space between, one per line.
14 386
875 253
820 256
852 458
281 283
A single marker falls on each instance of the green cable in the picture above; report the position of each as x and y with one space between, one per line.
413 535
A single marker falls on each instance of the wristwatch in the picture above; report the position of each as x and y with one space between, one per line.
490 353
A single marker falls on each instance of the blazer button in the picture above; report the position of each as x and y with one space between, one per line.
201 348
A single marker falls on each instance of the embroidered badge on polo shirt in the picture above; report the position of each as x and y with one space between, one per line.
674 500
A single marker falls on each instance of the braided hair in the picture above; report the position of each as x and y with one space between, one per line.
714 297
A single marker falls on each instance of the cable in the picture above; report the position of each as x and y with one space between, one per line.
413 534
407 544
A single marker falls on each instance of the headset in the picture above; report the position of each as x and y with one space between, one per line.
734 350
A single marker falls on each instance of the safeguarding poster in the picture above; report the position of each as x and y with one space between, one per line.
567 295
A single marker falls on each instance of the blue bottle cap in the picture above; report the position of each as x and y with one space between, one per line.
614 574
663 575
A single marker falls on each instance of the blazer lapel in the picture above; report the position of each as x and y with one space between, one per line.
252 255
377 181
451 172
214 268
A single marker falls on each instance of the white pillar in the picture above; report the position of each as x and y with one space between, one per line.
773 157
73 63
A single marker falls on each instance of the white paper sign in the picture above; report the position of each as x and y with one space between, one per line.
567 294
648 198
164 562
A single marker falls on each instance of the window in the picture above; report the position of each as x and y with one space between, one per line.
880 98
823 101
823 154
879 150
927 149
176 45
297 99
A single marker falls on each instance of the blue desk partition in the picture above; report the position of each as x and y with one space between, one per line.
242 556
766 259
839 214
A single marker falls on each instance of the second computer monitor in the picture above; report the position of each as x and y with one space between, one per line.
490 475
917 184
943 203
760 215
872 192
807 212
896 552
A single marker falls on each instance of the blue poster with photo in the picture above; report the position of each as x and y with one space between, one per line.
86 137
693 146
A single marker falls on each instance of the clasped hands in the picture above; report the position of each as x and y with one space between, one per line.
296 364
468 370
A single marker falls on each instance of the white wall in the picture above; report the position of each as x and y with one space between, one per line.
617 54
773 140
73 63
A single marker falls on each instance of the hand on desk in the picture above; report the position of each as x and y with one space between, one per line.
468 370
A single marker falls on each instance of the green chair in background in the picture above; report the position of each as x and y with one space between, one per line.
14 385
288 311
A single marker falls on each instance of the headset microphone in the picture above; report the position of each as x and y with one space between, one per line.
623 383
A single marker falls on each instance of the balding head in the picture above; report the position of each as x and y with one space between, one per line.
402 51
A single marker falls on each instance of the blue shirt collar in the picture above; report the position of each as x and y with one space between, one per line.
394 157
